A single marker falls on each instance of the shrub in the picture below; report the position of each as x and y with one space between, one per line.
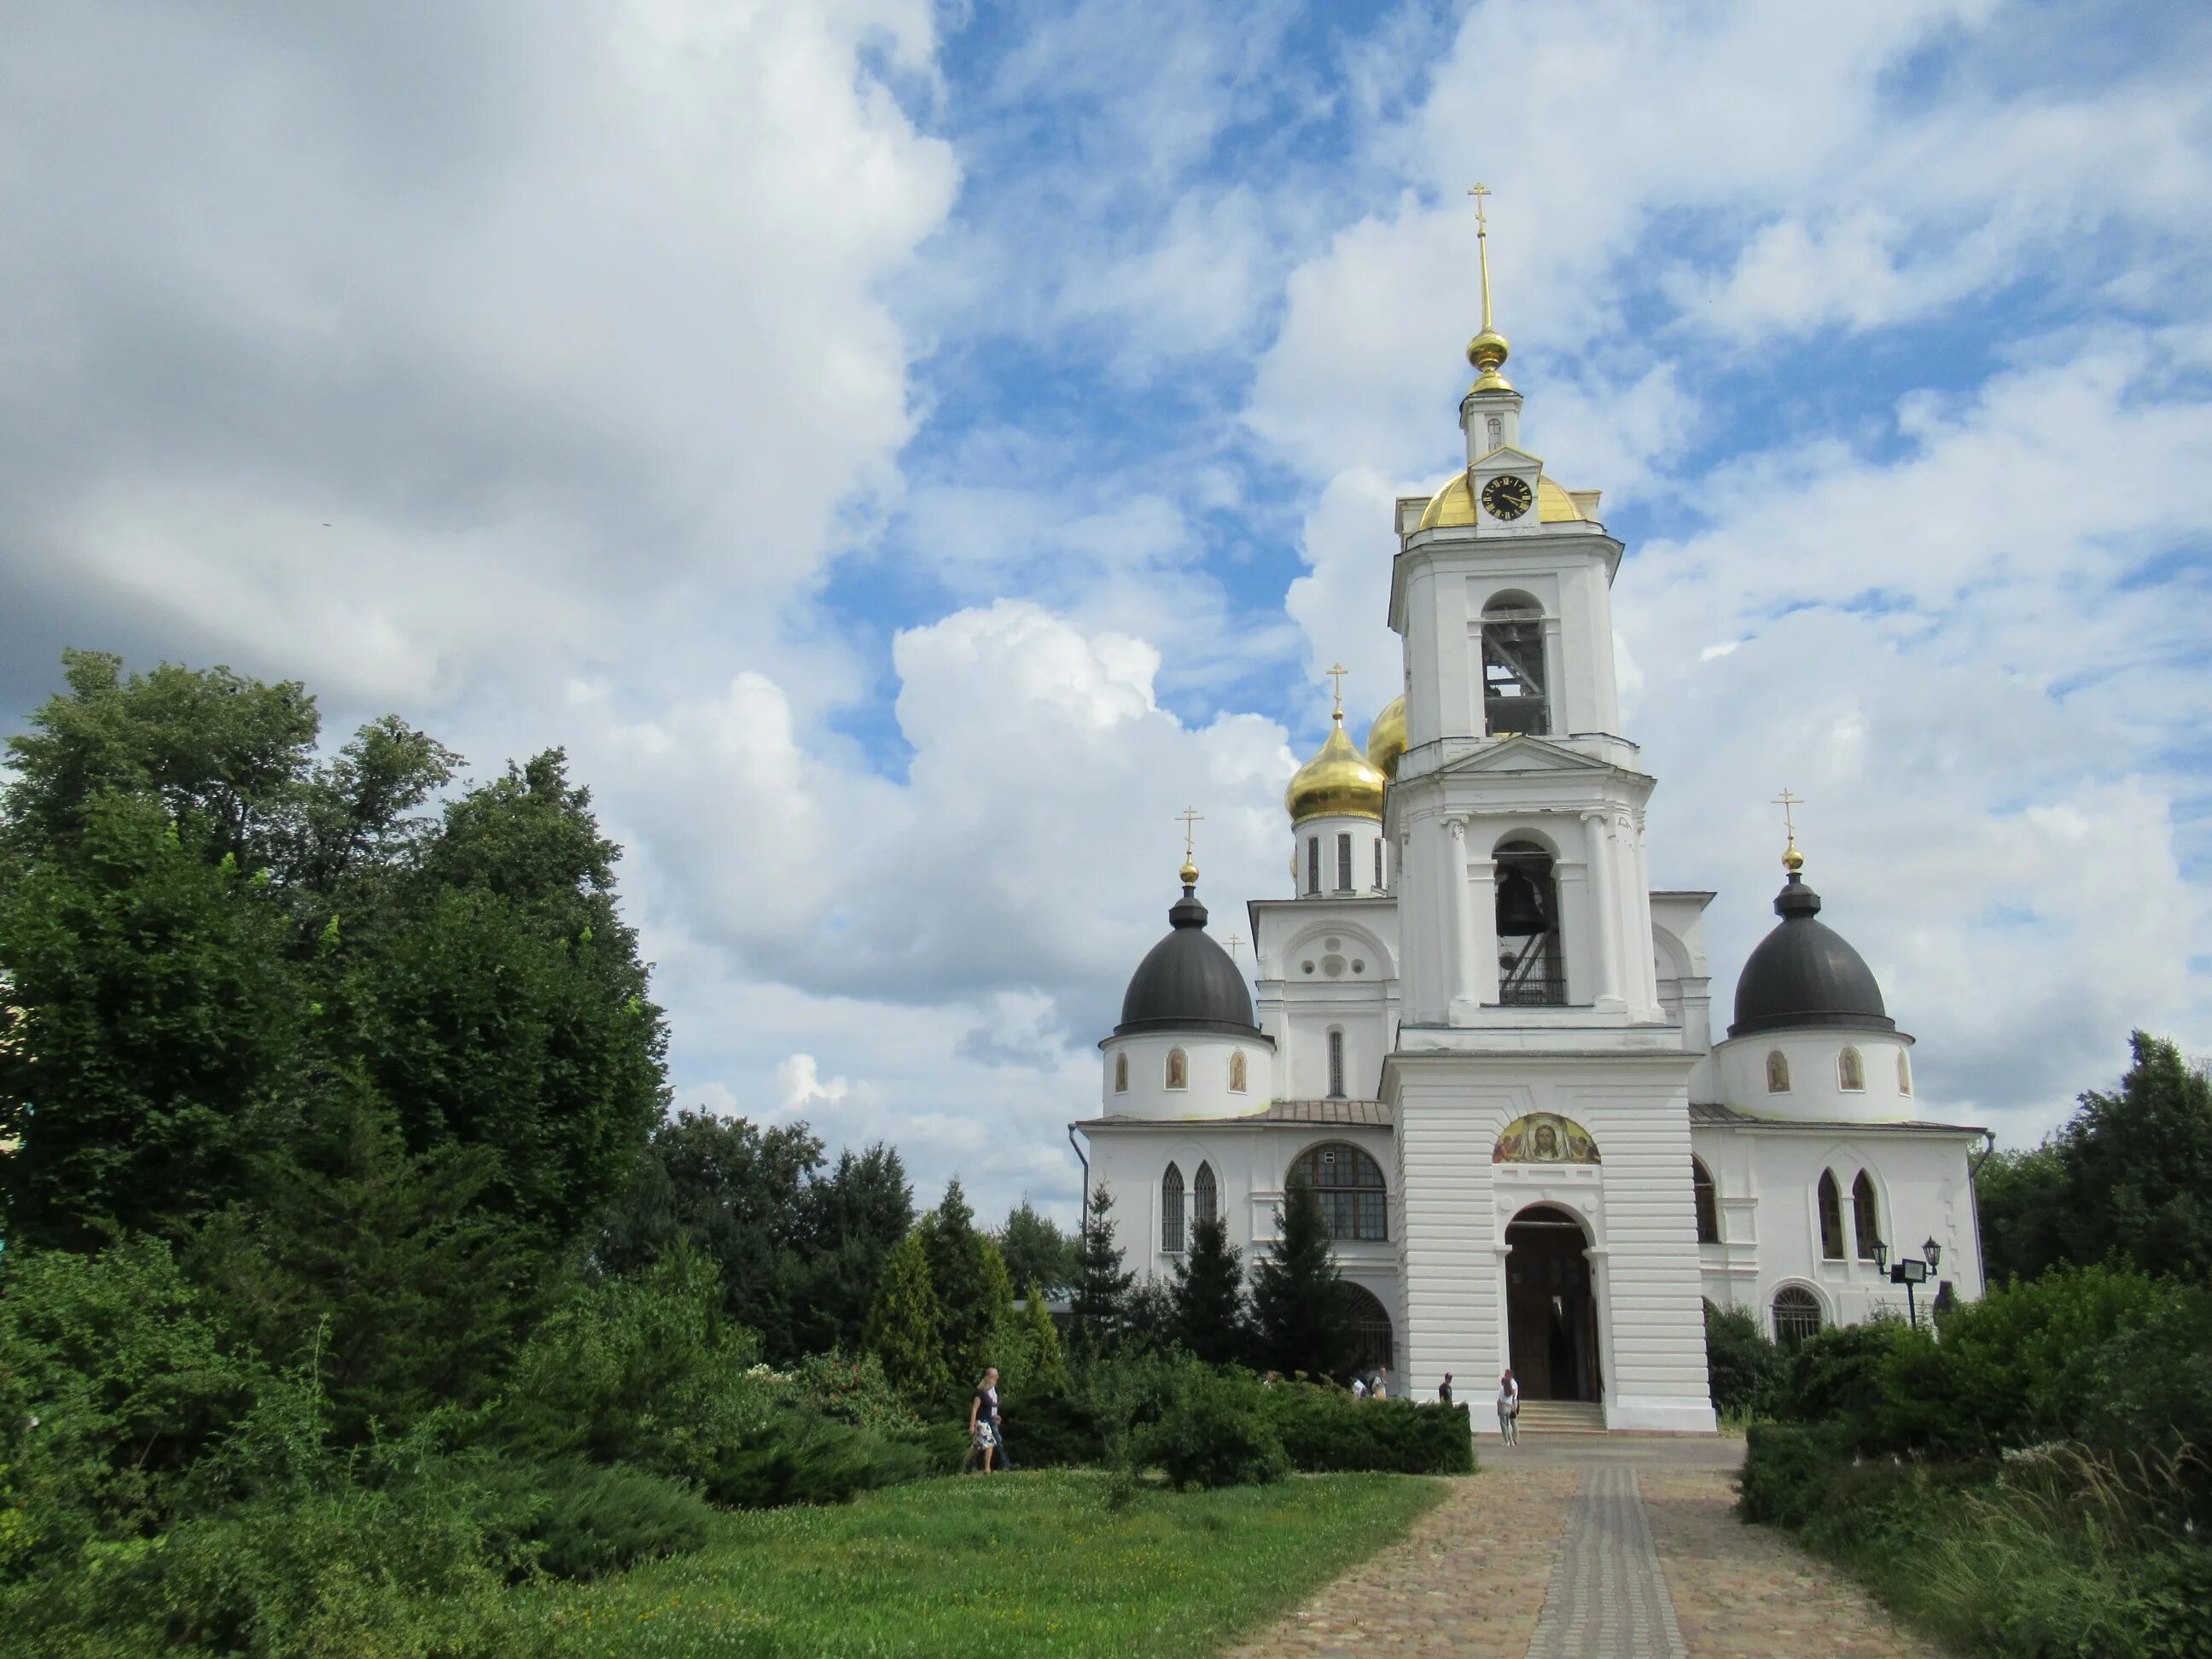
1740 1359
850 1389
793 1459
1326 1430
1054 1431
1213 1432
1837 1374
574 1520
1786 1470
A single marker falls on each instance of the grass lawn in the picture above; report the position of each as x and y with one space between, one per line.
1025 1563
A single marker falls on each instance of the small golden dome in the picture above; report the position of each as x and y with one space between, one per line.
1452 505
1488 351
1337 783
1188 873
1386 738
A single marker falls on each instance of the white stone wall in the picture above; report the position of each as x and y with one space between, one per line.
1767 1183
1816 1091
1363 833
1206 1092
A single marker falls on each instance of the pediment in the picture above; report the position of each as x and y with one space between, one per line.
1523 753
1506 458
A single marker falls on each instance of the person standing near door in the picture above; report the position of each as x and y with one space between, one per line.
1509 1408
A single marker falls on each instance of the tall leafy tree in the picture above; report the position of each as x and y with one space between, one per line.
1210 1318
850 1220
905 1327
1102 1283
1301 1319
1036 1249
959 1267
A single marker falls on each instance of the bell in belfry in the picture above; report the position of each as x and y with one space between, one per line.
1520 906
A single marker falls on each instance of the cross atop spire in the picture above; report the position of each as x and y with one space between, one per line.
1792 859
1188 817
1336 671
1488 349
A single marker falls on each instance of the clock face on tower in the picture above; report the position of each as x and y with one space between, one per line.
1507 497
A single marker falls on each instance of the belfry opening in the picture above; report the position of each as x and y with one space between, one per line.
1551 1311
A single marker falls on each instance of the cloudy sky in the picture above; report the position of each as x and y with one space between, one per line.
906 453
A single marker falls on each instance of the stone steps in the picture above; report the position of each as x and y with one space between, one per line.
1562 1417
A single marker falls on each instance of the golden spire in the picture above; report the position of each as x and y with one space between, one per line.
1792 859
1487 349
1186 817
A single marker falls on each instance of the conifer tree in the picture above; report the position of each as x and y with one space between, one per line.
1102 1284
1209 1317
1048 1363
1000 1340
905 1329
1301 1322
965 1298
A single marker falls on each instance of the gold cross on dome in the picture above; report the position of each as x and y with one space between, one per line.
1481 223
1792 859
1336 671
1186 817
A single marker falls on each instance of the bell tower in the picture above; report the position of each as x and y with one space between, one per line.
1528 986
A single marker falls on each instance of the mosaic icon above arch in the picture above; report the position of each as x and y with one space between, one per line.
1545 1137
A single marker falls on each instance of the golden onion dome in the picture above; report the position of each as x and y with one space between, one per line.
1337 783
1453 504
1386 738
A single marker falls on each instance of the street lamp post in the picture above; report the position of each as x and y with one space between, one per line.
1910 1271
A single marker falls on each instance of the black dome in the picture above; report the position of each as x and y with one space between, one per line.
1187 982
1806 974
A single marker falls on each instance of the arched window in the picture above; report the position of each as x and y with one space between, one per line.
1777 1072
1850 1070
1350 1186
1709 1209
1205 1202
1513 666
1904 1073
1313 864
1335 1064
1531 970
1344 861
1122 1074
1178 1070
1171 1209
1378 864
1796 1314
1236 1072
1832 1217
1370 1328
1866 1220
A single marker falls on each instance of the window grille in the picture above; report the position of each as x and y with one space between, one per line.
1796 1314
1378 878
1313 864
1205 1202
1832 1217
1349 1184
1343 863
1171 1209
1336 1064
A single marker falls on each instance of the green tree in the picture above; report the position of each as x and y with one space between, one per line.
971 1306
1209 1317
1102 1284
1036 1249
850 1220
2022 1198
1048 1361
1300 1317
906 1330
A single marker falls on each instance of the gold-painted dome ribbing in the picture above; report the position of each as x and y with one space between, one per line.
1452 505
1386 738
1337 783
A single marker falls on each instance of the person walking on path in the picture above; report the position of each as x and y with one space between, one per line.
1444 1390
983 1437
1359 1388
1509 1408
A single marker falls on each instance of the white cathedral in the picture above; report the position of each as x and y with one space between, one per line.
1486 1039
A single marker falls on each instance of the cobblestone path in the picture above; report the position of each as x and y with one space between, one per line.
1607 1599
1621 1547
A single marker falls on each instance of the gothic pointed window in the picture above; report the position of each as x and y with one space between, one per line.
1850 1071
1796 1314
1832 1217
1709 1209
1122 1074
1313 864
1171 1209
1866 1220
1205 1201
1777 1072
1349 1184
1904 1073
1344 862
1178 1070
1513 696
1335 1064
1236 1072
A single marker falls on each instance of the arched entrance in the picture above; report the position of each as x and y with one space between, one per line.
1370 1328
1551 1313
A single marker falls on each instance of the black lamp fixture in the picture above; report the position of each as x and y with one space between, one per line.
1935 1252
1910 1271
1881 1256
